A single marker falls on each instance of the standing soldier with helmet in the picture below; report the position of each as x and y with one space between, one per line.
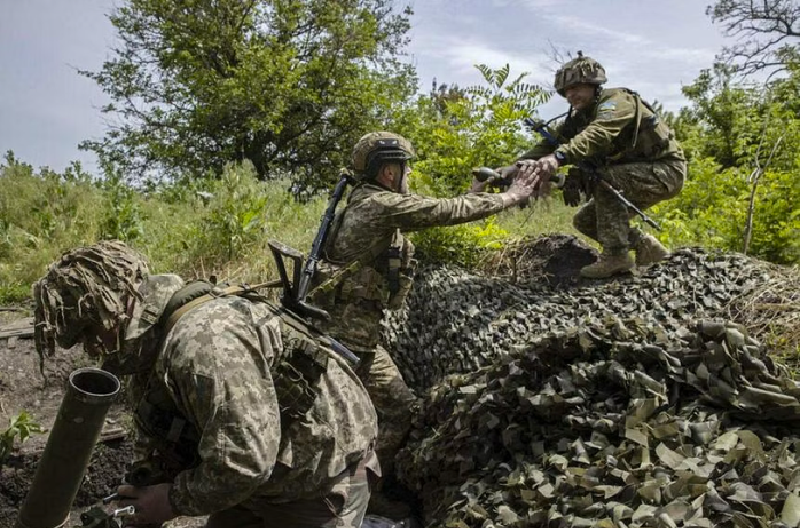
367 268
614 135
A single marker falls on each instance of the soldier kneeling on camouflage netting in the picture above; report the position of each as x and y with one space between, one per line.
246 413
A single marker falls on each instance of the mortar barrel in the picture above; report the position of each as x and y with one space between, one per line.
90 392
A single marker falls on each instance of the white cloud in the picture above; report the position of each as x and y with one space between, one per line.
581 26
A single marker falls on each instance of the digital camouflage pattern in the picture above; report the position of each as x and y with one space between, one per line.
353 285
218 369
632 149
216 365
618 128
605 219
371 219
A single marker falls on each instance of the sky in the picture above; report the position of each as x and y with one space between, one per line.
651 46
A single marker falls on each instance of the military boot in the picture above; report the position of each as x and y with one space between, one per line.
608 265
649 251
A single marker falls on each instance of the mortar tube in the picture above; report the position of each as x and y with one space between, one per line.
90 392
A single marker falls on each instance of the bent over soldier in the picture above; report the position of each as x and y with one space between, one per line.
245 413
368 267
615 135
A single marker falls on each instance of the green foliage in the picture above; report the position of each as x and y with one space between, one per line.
20 428
287 84
123 214
742 140
456 130
480 127
465 245
235 216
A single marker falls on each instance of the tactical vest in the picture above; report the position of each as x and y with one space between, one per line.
651 136
295 374
382 274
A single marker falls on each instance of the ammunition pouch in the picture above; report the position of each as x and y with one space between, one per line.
384 279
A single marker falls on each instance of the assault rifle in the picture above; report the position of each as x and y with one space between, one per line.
296 288
542 128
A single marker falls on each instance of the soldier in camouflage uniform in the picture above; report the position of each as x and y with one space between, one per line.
368 267
614 132
235 426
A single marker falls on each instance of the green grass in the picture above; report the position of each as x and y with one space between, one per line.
539 218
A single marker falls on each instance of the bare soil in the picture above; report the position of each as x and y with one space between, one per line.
24 388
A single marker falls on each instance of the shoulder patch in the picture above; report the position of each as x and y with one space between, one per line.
607 106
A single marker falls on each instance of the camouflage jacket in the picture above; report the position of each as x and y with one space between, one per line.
620 127
217 368
354 282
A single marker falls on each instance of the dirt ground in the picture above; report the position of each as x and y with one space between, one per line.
22 387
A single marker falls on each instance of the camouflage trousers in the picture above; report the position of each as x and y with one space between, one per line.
344 505
605 219
394 402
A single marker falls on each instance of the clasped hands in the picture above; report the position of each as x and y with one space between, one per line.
529 178
538 173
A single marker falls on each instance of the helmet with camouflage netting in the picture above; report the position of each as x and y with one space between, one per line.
580 70
376 148
85 293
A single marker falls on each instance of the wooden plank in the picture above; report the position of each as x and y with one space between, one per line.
20 328
19 332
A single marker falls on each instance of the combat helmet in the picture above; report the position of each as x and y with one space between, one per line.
85 292
580 70
376 148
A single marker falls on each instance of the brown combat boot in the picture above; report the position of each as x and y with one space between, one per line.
608 265
649 251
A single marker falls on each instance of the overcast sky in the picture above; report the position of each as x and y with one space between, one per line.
651 46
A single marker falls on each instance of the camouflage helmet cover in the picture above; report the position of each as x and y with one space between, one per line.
580 70
380 147
86 288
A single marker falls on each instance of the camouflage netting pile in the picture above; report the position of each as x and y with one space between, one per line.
581 429
456 322
599 403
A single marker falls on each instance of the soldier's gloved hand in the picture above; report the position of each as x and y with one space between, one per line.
572 190
151 503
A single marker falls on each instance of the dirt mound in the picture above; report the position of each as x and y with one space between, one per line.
555 258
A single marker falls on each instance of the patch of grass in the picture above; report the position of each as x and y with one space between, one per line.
539 217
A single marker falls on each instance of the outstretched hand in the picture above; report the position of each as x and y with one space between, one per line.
539 173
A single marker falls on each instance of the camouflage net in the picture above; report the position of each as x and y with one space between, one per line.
455 322
590 403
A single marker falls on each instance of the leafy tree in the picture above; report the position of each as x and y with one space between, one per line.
287 84
453 131
766 32
742 191
479 125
